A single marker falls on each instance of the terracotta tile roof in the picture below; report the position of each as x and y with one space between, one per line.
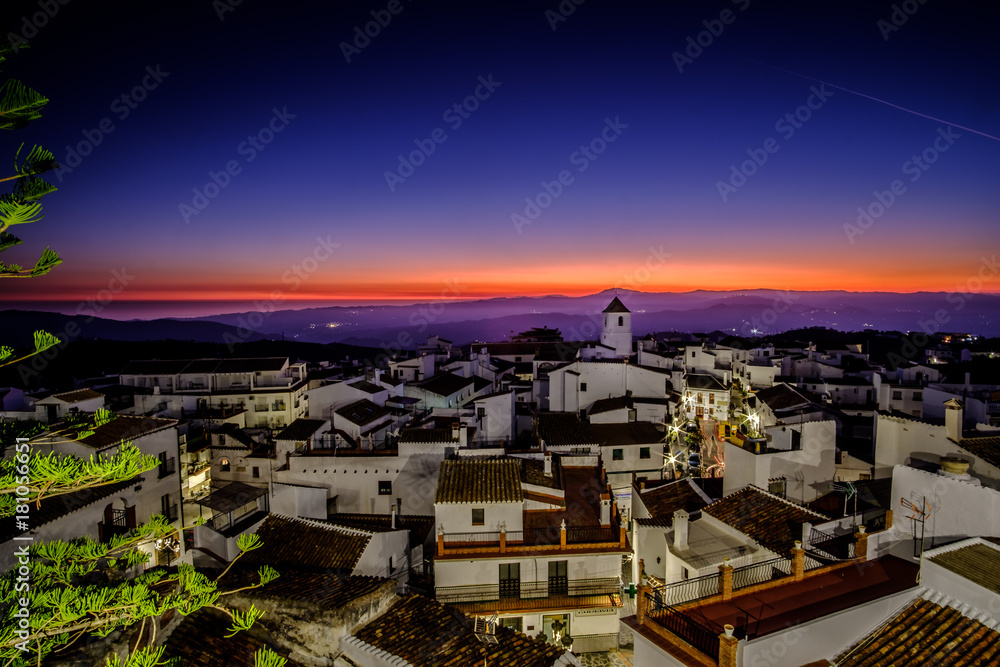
705 382
479 481
564 428
366 386
125 427
444 384
782 397
200 641
987 448
55 507
927 633
324 589
300 429
770 521
609 404
616 306
663 501
533 472
629 433
78 395
427 633
979 563
307 545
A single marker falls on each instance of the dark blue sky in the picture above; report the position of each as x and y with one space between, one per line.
664 181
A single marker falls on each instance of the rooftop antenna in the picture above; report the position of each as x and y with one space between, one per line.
919 515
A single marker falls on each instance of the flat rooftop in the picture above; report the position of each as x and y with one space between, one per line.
776 609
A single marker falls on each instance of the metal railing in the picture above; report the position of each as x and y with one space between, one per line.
694 633
541 536
527 590
688 590
838 546
758 573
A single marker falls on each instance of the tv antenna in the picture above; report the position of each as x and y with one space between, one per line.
918 515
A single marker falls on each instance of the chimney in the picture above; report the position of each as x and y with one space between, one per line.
456 429
954 417
605 509
681 530
547 458
806 532
393 516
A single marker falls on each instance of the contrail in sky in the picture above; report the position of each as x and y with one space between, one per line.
869 97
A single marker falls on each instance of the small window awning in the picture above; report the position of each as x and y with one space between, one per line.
231 497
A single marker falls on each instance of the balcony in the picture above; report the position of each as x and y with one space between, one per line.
517 595
167 468
550 539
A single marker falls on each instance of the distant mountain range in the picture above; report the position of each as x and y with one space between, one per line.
743 312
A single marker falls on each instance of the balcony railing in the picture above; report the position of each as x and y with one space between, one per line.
527 590
168 467
758 573
694 633
838 546
688 590
538 536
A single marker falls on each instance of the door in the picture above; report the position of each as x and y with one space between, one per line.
558 582
510 580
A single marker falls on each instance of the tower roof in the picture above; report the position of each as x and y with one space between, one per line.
616 306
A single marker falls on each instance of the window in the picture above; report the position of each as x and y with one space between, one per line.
617 454
897 395
692 354
385 489
513 622
256 472
621 320
918 395
225 465
480 412
644 452
583 386
558 581
479 517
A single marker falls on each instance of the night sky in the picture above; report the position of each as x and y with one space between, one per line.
618 125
